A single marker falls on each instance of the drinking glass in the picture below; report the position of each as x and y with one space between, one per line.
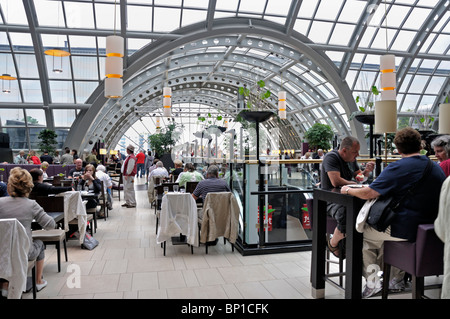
182 190
166 189
175 188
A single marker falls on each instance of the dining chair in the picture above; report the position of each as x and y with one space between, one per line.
14 247
103 201
422 258
219 218
52 237
119 186
330 227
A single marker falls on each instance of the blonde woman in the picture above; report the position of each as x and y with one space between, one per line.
18 205
44 167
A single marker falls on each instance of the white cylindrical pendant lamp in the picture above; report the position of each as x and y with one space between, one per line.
388 95
444 118
282 105
387 63
167 101
114 67
113 88
388 81
385 117
167 112
114 46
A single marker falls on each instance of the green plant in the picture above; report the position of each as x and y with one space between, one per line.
255 98
360 103
319 136
48 140
163 142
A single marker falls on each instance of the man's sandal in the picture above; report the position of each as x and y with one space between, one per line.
333 249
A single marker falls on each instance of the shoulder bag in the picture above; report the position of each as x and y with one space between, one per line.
382 212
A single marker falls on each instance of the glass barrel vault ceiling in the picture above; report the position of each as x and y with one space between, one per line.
205 73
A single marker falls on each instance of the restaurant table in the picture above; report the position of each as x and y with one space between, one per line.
178 216
74 209
353 261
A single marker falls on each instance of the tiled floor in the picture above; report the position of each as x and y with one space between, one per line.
128 264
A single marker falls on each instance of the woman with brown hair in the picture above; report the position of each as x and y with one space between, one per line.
18 205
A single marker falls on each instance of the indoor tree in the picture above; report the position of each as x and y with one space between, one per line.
319 136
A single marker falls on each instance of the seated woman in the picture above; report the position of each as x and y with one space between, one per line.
441 147
44 167
88 181
44 189
32 158
25 210
189 175
418 208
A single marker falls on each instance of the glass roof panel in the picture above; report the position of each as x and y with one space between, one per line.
14 12
104 16
342 34
252 7
36 117
278 7
328 9
64 118
32 92
80 15
140 18
49 13
27 65
162 23
192 16
352 11
320 31
62 91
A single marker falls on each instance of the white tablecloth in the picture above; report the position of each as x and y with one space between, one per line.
74 208
178 216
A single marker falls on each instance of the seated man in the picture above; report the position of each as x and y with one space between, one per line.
44 189
211 184
339 168
77 171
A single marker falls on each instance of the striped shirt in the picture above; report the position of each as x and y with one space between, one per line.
210 185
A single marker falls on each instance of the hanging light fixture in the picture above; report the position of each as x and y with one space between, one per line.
114 64
282 105
386 109
6 76
158 125
167 101
56 53
444 118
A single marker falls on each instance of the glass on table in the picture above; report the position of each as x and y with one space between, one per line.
175 188
166 190
182 190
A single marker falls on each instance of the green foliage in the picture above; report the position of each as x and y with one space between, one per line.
319 136
163 142
257 97
48 140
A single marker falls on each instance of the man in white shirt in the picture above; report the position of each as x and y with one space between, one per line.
129 169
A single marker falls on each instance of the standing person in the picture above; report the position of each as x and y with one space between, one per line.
148 164
339 168
56 158
46 158
66 158
92 158
129 169
421 207
140 157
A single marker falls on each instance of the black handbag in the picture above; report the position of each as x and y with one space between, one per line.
382 211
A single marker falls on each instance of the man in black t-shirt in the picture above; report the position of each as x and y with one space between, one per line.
46 158
339 168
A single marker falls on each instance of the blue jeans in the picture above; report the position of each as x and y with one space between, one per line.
140 170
